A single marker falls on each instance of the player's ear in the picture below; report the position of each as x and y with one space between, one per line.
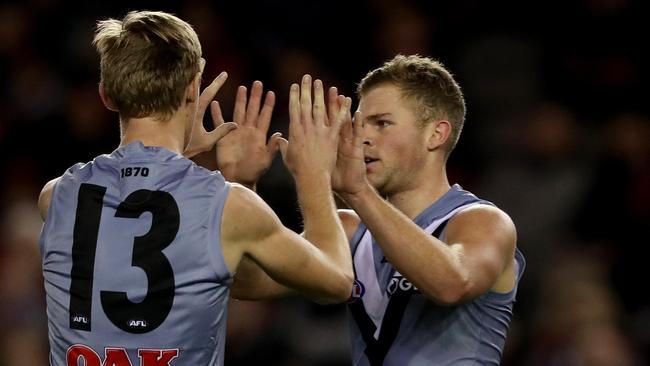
192 90
438 134
108 103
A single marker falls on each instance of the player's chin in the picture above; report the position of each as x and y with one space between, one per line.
376 182
372 166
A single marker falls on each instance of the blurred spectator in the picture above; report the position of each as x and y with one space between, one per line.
22 309
578 319
615 214
402 28
541 180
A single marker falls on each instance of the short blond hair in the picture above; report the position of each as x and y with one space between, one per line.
147 61
428 84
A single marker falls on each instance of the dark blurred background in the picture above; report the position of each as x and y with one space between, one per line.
557 135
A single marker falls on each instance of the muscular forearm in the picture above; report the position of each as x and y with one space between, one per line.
431 265
319 212
323 227
252 283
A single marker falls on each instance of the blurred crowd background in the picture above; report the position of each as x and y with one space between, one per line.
556 134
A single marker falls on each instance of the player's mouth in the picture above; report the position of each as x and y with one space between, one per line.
369 161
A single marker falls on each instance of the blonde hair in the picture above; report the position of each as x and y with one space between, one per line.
147 61
428 84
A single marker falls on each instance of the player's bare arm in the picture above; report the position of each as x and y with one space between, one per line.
476 256
243 157
288 258
252 283
310 157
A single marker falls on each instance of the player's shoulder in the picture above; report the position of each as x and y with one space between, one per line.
45 197
484 217
242 197
245 212
350 221
347 215
77 171
484 211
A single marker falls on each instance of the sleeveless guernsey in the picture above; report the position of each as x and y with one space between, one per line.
393 324
132 262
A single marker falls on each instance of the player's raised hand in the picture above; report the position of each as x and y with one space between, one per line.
201 140
313 130
244 155
349 176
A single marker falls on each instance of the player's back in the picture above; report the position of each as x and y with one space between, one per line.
133 267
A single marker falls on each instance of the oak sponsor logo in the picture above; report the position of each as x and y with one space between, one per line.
114 356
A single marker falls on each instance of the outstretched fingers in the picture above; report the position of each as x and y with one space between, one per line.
343 114
294 110
239 111
221 128
332 104
221 131
254 102
264 120
318 112
211 91
305 101
215 112
357 128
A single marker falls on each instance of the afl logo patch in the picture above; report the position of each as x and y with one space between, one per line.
137 323
358 290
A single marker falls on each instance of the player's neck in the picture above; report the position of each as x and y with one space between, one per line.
152 132
417 197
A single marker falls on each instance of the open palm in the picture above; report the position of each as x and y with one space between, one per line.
244 154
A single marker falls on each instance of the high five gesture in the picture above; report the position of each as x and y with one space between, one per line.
313 133
245 155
